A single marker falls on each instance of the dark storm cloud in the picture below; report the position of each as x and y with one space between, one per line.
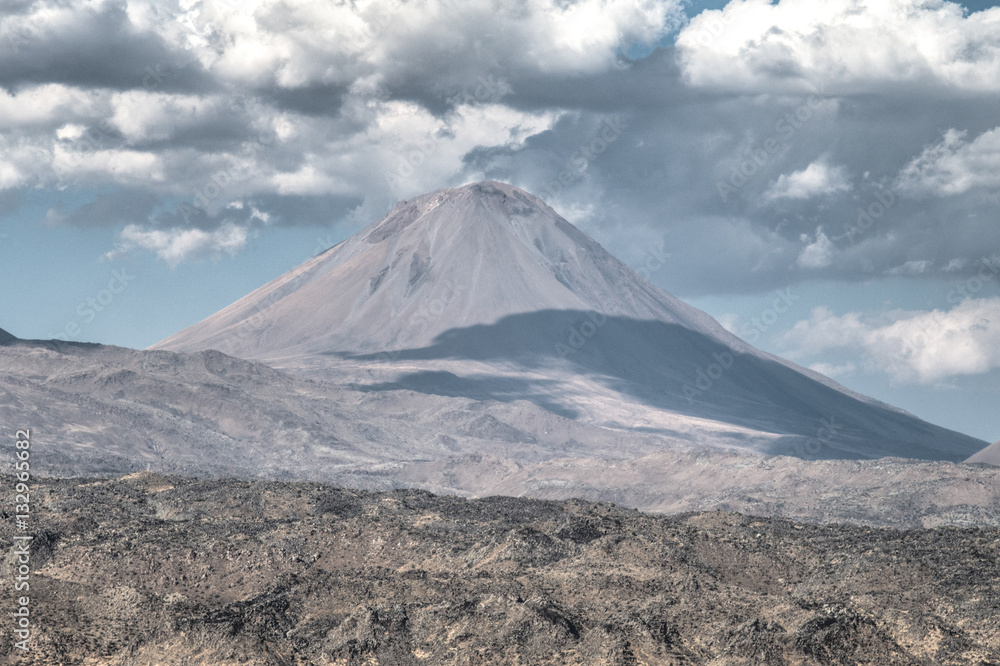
92 48
753 181
299 210
108 209
310 100
695 168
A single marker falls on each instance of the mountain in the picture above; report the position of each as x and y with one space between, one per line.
990 455
483 292
6 337
445 261
99 410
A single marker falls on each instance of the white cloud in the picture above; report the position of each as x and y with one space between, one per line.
818 253
10 176
842 46
817 179
833 369
954 165
149 116
914 267
177 245
299 42
127 167
910 346
325 112
49 103
70 132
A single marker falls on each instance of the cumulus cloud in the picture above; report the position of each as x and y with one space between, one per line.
842 46
911 347
294 43
324 113
818 253
817 179
955 165
287 100
176 245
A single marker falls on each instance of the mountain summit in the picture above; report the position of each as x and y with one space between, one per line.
450 259
483 292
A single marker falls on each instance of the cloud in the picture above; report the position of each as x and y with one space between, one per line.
176 245
818 253
319 114
817 179
915 267
432 49
278 102
834 370
955 165
911 347
116 207
92 44
842 46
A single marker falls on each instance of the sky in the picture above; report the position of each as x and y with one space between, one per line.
821 176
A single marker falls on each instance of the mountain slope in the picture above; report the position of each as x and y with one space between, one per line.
990 455
469 292
98 410
447 260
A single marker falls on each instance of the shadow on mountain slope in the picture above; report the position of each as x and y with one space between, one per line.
500 388
672 367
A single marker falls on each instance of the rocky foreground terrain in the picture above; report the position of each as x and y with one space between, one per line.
148 569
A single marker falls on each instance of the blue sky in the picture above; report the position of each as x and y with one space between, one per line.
158 160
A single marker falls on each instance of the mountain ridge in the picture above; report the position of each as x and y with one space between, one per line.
487 281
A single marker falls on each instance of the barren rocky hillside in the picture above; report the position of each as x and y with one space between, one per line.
108 411
164 570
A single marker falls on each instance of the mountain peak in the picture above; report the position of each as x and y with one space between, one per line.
6 337
486 278
452 258
468 205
